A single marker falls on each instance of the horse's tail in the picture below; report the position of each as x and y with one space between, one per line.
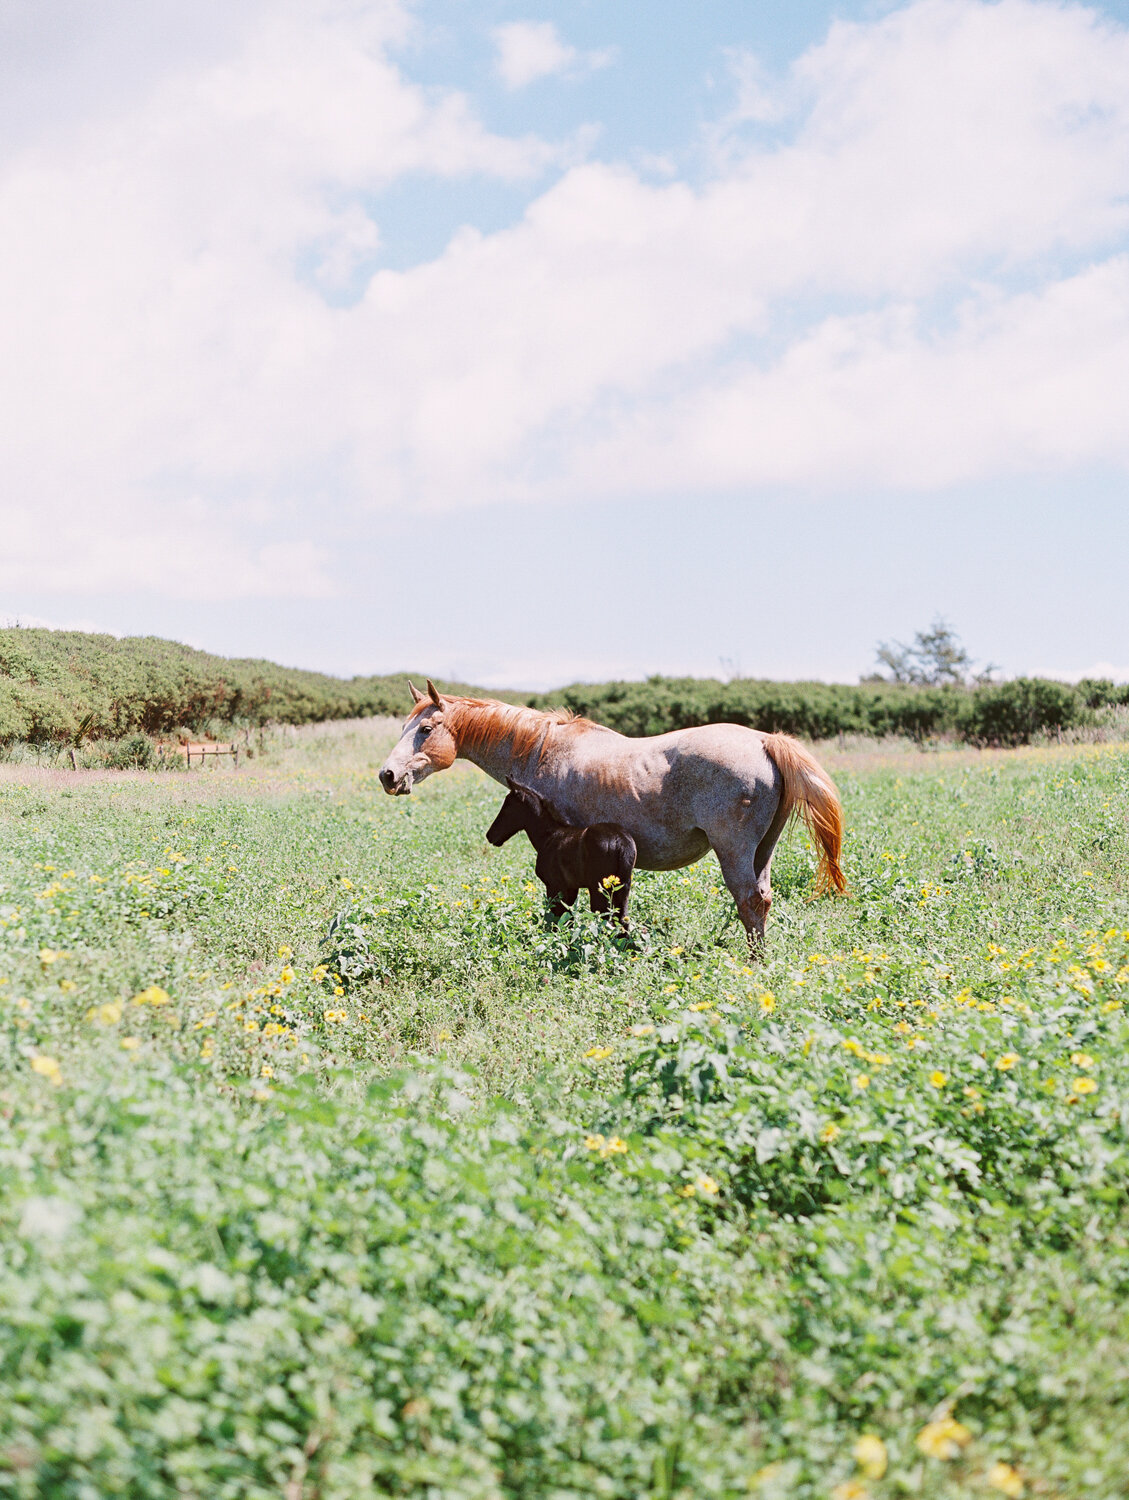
809 791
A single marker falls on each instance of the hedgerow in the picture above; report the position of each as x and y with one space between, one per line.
59 686
63 687
1005 713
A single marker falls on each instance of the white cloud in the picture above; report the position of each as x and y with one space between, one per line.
529 50
921 278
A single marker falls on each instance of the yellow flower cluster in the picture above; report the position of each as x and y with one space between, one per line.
944 1439
611 1145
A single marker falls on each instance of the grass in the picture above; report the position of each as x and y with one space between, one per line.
326 1169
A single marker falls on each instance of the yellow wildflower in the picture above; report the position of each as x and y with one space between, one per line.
596 1053
762 1476
861 1080
593 1142
443 1035
339 990
640 1030
67 984
48 1067
286 975
266 1071
870 1455
1084 1086
334 1016
131 1043
768 1002
829 1133
705 1185
154 995
850 1489
1007 1061
703 1005
1082 1060
613 1146
285 951
938 1079
1004 1478
106 1015
943 1439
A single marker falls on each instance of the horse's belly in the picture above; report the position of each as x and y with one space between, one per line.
662 850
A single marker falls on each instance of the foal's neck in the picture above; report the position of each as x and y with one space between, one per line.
538 828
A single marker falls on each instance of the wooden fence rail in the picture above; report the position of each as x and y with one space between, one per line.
204 750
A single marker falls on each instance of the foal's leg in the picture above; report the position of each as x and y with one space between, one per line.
621 896
560 901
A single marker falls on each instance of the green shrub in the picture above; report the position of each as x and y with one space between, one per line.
1011 713
134 752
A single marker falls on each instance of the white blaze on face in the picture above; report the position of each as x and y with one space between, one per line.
407 763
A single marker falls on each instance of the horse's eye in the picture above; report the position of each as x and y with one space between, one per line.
425 728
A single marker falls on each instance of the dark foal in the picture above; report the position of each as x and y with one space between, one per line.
568 858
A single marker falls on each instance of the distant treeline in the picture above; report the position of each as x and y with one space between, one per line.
1004 713
65 685
62 686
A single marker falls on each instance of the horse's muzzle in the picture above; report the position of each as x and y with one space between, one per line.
394 786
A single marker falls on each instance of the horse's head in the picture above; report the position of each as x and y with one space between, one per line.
426 744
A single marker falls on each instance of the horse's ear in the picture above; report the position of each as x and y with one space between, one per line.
432 694
417 696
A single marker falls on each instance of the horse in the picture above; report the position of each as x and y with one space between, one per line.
718 786
600 857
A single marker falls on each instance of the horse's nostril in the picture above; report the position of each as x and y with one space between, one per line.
386 777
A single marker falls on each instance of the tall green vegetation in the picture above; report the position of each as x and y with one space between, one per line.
1002 713
60 687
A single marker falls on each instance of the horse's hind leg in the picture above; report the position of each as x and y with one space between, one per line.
746 868
751 889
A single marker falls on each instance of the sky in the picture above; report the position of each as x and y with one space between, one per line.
530 342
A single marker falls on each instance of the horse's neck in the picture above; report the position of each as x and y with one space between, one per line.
499 760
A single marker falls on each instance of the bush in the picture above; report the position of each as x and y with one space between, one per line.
1010 713
135 752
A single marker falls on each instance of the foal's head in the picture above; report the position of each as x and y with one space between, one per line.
522 809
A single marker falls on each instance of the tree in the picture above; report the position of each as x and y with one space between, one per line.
936 658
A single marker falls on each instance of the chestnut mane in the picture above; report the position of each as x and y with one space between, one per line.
484 721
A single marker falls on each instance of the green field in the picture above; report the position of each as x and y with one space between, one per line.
327 1170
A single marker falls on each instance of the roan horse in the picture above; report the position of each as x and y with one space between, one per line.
719 786
600 858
